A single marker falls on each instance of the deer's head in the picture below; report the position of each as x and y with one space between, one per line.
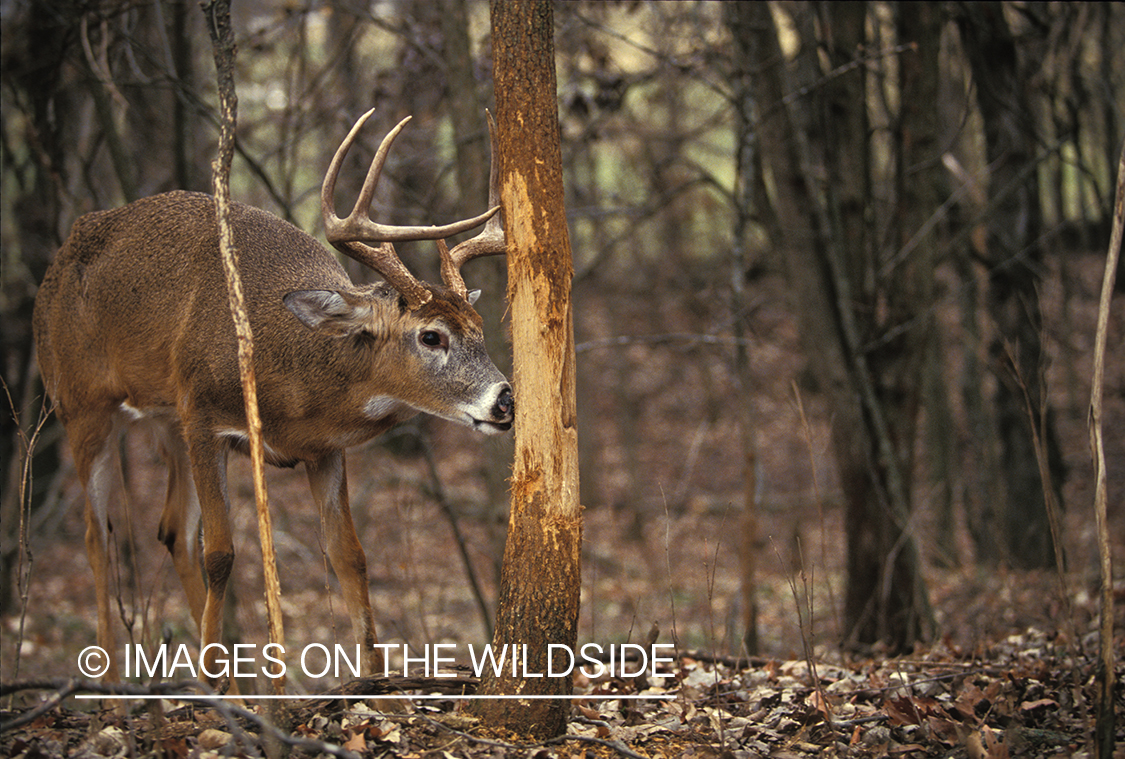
439 333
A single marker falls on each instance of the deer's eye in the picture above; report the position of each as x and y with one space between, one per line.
432 339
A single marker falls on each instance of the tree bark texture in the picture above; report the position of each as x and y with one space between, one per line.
540 584
1015 260
877 305
835 272
748 163
50 113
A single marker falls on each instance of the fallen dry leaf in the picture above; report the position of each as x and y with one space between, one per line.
357 743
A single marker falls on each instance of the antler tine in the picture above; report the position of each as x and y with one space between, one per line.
490 241
352 235
358 226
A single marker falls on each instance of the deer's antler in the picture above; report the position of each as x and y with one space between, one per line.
355 234
489 242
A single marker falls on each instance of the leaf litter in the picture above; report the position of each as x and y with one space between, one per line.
1028 695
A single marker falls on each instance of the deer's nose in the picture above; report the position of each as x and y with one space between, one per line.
505 404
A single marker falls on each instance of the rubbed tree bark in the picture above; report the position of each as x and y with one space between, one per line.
1014 258
217 13
539 591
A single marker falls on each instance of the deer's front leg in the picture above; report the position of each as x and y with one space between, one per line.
329 486
209 469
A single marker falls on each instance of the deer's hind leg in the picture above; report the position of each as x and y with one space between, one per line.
94 441
180 522
208 457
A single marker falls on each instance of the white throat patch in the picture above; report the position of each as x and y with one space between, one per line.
382 406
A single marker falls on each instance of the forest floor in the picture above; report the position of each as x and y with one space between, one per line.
1010 675
1009 671
1025 695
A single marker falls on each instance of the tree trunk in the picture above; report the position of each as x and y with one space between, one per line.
740 18
917 375
866 362
34 206
1014 258
539 591
185 122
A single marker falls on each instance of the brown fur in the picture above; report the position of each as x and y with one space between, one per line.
132 320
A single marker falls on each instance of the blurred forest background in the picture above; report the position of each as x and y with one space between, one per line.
836 274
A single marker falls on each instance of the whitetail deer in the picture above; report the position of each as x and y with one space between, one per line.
132 321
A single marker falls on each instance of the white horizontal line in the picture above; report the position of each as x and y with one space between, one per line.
430 697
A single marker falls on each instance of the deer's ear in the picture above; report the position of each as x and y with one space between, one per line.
333 312
472 296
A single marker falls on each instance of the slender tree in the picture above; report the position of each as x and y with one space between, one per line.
740 17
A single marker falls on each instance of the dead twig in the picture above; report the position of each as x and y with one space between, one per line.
380 686
616 745
25 558
217 13
1104 729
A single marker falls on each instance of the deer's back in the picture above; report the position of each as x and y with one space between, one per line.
134 307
